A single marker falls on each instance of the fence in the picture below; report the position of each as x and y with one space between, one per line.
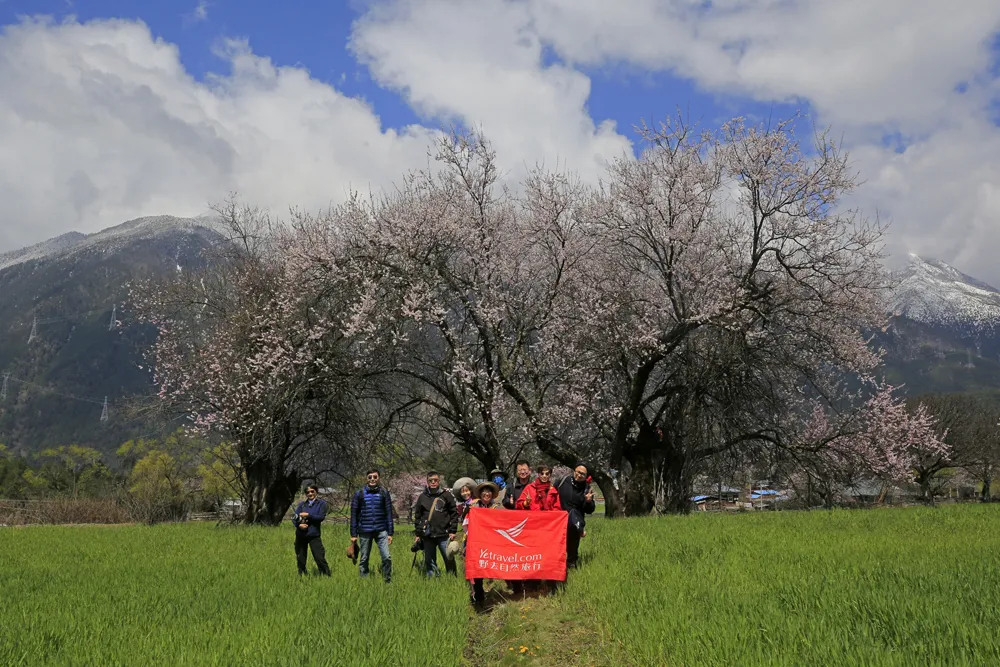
62 510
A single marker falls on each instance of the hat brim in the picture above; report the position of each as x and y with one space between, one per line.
487 485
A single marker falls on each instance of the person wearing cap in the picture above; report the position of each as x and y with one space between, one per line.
485 494
499 477
435 519
577 498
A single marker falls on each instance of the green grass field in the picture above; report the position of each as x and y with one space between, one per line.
879 587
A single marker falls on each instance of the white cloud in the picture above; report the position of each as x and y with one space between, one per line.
200 12
480 63
858 62
868 68
943 195
101 123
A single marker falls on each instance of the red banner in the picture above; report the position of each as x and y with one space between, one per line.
516 544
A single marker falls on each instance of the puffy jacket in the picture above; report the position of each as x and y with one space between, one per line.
445 519
371 511
317 512
539 497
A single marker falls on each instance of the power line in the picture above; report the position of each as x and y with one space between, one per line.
64 318
53 391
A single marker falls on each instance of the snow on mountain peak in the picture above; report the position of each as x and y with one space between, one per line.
932 292
108 240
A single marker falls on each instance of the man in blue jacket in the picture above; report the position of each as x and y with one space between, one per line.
371 520
307 518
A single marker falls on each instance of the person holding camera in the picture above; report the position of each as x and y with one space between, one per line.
371 521
435 520
307 517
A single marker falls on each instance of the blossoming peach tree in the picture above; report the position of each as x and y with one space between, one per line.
712 296
275 352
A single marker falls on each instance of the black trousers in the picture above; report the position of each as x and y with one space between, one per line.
431 547
572 546
315 544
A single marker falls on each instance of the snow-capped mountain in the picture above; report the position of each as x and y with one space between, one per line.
112 239
933 293
59 348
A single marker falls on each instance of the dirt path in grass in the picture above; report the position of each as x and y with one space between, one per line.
537 629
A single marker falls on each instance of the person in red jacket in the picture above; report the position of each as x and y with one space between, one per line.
540 495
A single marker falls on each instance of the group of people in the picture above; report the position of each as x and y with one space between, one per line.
441 517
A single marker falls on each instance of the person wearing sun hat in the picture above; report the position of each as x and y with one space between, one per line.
485 494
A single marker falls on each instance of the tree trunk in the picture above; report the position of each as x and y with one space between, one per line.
987 480
924 480
612 498
638 486
677 497
269 494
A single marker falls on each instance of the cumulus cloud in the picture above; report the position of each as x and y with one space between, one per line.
481 63
914 70
101 123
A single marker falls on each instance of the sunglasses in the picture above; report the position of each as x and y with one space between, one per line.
372 476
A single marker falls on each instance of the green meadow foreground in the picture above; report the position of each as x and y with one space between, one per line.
880 587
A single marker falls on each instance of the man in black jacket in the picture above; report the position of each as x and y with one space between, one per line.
515 490
435 519
577 498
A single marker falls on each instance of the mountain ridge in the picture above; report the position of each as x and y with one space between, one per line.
932 292
944 333
58 350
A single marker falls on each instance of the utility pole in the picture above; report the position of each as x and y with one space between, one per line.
104 410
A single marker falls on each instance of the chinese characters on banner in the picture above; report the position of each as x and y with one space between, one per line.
516 544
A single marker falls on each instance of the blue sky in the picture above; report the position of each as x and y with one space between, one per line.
315 35
101 123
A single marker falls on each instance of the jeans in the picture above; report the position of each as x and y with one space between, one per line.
319 553
431 546
365 541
